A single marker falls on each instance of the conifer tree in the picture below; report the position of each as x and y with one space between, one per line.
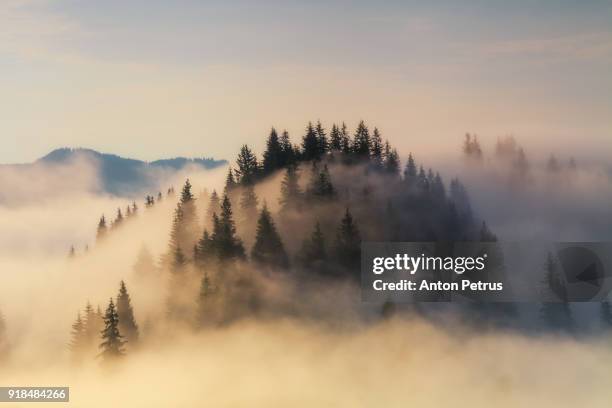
322 143
71 252
273 155
128 211
268 248
361 141
486 235
347 248
206 311
214 207
91 325
102 229
391 164
437 189
185 222
288 157
320 186
118 219
248 203
291 193
230 183
127 323
134 208
410 172
471 148
313 253
227 245
248 168
78 340
112 341
345 140
376 150
310 144
335 139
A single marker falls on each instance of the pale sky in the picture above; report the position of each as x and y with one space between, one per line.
150 79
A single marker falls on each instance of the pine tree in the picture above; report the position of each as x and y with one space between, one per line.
214 207
288 157
230 183
112 341
78 340
438 190
345 140
471 148
376 150
268 248
227 245
391 164
248 203
335 139
347 248
361 141
273 155
291 193
91 325
205 302
248 168
313 253
118 218
322 143
127 323
320 187
102 229
410 172
185 222
310 144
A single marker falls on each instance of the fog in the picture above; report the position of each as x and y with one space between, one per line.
346 358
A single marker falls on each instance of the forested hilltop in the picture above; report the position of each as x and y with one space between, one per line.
233 254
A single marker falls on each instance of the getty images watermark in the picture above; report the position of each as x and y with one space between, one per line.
486 271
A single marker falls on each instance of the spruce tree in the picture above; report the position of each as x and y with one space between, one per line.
78 340
322 143
335 139
227 245
320 187
248 203
288 157
268 248
361 141
345 140
127 323
118 218
214 207
230 182
347 248
291 193
102 229
376 150
313 253
273 155
310 144
410 172
185 222
391 164
248 168
112 341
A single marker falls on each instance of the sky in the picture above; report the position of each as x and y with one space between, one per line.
150 79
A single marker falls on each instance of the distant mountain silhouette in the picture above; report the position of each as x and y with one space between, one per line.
124 176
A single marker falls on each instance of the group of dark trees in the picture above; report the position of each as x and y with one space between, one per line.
105 334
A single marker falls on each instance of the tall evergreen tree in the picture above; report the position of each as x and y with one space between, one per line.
322 142
185 222
361 140
112 341
313 253
273 155
127 323
347 248
214 207
118 218
230 182
310 144
205 302
410 172
335 139
78 340
291 193
268 248
320 186
376 150
102 229
227 245
289 157
248 167
345 140
391 164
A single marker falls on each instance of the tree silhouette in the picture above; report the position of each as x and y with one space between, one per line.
248 168
112 343
361 141
268 248
273 155
127 323
310 144
102 229
291 193
347 248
